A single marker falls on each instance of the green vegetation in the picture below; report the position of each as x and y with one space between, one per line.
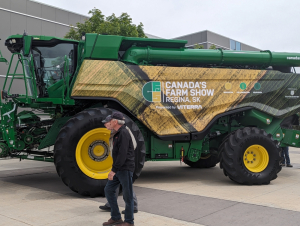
197 46
110 25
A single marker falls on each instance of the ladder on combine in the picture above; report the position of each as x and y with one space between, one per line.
2 59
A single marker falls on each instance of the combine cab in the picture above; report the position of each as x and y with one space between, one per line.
198 106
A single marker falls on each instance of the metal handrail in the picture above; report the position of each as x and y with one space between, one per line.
14 75
2 59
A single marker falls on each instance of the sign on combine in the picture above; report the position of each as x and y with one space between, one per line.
200 106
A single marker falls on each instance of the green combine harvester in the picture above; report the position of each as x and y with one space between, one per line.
198 106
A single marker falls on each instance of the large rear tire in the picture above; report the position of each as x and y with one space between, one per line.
81 152
250 156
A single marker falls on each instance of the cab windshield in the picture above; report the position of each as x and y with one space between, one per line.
49 64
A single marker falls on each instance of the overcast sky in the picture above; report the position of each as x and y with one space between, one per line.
265 24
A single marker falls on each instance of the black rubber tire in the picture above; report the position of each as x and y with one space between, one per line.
209 162
232 151
65 147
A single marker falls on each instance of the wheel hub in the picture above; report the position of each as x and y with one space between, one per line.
256 158
98 151
250 157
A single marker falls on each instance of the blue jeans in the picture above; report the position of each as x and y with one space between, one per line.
285 155
135 202
125 179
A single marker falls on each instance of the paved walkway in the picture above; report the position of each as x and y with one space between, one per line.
31 193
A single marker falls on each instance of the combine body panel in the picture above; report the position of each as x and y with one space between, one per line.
185 100
201 107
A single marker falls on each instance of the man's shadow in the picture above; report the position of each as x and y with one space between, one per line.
46 178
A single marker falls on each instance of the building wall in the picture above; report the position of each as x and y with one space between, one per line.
153 36
208 38
218 40
199 37
34 17
249 48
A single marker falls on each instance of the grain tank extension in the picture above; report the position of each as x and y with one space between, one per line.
202 107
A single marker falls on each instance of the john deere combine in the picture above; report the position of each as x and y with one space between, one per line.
201 107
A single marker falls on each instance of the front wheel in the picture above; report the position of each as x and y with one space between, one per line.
82 155
250 156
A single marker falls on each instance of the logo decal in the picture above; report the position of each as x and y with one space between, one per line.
293 58
152 91
228 86
243 86
257 86
188 93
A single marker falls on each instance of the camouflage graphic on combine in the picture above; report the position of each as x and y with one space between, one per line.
186 99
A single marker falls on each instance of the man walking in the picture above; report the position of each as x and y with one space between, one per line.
121 172
106 207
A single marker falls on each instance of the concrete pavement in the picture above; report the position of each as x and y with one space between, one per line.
31 193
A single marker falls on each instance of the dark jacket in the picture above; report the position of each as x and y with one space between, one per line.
123 151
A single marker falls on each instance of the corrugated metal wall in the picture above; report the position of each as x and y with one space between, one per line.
208 38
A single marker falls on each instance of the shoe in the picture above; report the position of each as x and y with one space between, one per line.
111 222
134 211
282 164
126 224
289 165
106 208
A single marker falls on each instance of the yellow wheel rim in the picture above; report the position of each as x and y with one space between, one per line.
256 158
93 155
